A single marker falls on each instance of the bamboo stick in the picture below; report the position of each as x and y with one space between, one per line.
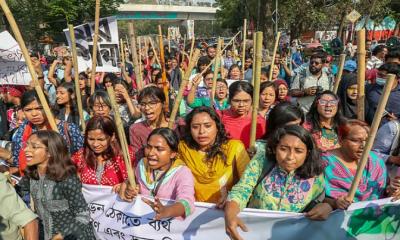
254 57
146 47
361 53
94 53
155 51
371 136
122 137
122 50
76 76
138 73
216 68
25 53
169 42
140 61
256 91
182 87
244 44
278 36
191 48
340 72
163 70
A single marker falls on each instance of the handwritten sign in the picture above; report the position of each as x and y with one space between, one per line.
107 48
113 218
13 70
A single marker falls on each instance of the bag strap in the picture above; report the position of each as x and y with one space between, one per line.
394 150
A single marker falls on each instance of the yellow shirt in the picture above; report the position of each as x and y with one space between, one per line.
213 179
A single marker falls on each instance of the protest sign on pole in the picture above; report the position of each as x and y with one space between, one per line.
190 29
113 219
107 47
13 70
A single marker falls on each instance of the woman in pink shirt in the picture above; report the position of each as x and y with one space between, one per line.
237 119
162 175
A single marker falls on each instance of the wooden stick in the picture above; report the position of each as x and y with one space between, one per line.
340 72
254 56
140 61
25 53
155 51
256 91
169 42
121 46
244 44
182 87
278 36
94 53
76 76
216 69
191 48
361 74
163 70
374 128
146 47
138 73
122 137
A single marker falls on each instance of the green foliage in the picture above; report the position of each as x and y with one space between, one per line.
53 16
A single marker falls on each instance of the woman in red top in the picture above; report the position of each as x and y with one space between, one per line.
101 162
237 119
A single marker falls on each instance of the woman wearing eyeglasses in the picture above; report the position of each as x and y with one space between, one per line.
324 119
237 119
100 104
151 101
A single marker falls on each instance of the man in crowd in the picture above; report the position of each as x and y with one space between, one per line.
378 56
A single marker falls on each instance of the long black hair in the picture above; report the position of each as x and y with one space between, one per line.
313 115
220 139
74 114
282 114
312 165
170 137
239 86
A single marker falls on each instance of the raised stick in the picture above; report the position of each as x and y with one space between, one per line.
163 70
361 74
278 36
94 54
122 137
29 64
182 87
76 76
374 128
216 68
191 48
138 73
340 72
256 91
154 50
244 44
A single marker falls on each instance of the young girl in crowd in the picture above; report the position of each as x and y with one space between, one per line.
237 119
324 119
289 177
67 109
151 103
36 120
267 99
100 161
215 161
100 104
162 175
55 188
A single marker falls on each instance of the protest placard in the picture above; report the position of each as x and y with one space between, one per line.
107 47
113 218
13 70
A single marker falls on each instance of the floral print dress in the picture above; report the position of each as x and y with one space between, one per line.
278 190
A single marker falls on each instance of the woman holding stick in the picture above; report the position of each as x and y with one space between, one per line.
55 188
237 119
324 119
291 180
215 161
37 120
341 166
101 162
162 175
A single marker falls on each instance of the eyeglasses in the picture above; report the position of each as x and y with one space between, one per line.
208 79
315 63
222 88
150 104
239 101
324 102
100 106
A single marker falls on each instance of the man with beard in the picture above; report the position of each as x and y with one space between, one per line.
311 81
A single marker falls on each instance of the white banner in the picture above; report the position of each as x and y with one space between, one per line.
13 68
107 46
190 29
113 218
